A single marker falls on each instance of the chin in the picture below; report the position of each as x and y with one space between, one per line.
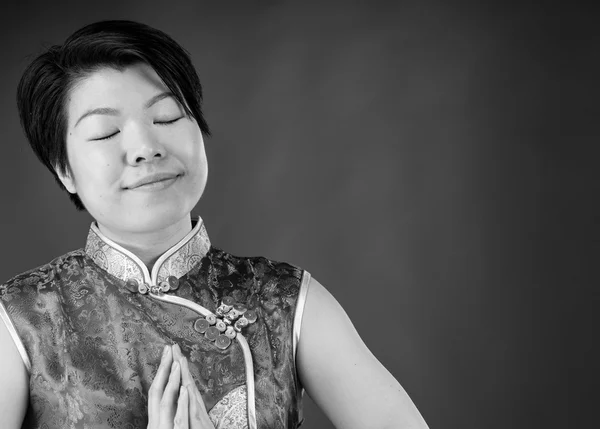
154 220
146 220
145 215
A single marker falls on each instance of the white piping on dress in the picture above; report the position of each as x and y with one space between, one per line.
197 308
142 267
249 380
159 262
15 336
299 311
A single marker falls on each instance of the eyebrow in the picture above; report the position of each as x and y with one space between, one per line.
115 112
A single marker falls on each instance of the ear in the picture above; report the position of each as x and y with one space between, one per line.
67 180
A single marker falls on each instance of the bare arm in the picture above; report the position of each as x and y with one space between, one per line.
14 382
342 376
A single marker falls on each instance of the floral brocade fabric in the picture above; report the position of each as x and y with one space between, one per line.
95 345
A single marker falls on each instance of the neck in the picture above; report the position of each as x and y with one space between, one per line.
149 246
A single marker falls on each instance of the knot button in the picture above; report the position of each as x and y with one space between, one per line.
173 282
165 286
212 333
222 342
132 285
201 325
143 288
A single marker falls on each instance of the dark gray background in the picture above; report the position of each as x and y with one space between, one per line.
433 165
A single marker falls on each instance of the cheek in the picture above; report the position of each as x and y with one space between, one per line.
199 167
192 153
96 168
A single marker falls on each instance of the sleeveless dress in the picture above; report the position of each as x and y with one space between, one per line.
91 326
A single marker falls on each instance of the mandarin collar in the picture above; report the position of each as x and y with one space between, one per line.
126 266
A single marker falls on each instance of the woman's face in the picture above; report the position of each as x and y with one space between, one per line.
124 129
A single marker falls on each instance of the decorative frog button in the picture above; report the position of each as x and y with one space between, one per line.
173 282
230 332
226 305
132 285
230 318
143 288
251 316
222 342
165 286
201 325
242 322
212 333
220 325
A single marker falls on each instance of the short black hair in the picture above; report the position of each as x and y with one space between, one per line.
43 90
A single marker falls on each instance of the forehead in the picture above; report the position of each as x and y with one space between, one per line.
110 87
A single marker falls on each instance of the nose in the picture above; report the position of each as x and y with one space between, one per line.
143 147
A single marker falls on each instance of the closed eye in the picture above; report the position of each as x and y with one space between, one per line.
107 137
156 122
167 122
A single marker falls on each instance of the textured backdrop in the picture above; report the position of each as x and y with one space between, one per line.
434 166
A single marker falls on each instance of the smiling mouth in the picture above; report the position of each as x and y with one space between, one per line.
156 185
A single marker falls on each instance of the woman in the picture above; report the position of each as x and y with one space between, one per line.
149 325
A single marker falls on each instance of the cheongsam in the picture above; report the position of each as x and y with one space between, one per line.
91 325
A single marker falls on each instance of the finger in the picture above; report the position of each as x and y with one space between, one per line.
169 397
186 375
158 384
177 352
197 408
182 416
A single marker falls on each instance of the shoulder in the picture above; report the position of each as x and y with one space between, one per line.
262 271
43 278
23 298
276 285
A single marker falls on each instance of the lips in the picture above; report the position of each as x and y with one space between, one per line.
152 178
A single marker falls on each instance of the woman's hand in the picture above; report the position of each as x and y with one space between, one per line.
174 401
198 416
163 393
